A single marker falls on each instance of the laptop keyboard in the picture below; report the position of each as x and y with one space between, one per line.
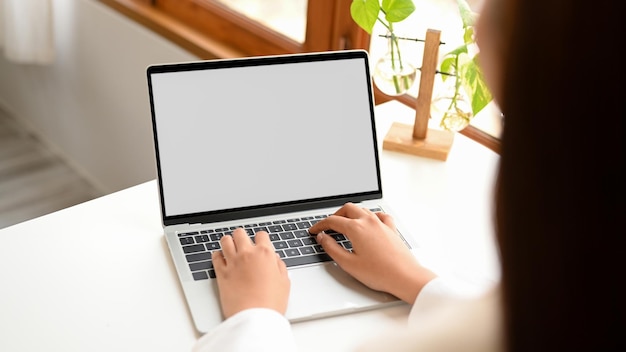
290 237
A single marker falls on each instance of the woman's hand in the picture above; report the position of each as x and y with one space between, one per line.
379 257
249 275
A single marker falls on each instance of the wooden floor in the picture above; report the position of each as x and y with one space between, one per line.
34 181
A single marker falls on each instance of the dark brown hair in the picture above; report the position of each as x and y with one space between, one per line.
560 205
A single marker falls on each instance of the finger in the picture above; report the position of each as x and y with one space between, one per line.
219 262
367 210
334 222
330 223
262 238
386 219
334 249
241 239
228 246
282 267
347 211
350 210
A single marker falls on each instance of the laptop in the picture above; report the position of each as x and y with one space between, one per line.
272 143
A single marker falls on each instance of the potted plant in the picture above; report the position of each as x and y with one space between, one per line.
466 93
392 75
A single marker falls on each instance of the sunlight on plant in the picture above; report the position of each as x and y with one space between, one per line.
460 63
367 12
466 72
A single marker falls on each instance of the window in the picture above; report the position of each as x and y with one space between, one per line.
287 17
234 28
229 28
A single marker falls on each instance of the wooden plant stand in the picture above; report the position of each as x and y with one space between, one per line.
419 139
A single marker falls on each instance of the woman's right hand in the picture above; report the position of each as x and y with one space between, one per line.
379 257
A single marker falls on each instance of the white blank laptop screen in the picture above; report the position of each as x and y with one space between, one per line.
263 134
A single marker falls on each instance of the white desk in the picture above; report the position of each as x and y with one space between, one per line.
98 277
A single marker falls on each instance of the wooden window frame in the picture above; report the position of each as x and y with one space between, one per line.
210 30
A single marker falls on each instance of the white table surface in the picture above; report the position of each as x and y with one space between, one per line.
98 277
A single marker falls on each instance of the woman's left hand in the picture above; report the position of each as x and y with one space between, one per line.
250 275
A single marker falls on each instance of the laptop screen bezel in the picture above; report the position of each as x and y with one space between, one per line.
274 208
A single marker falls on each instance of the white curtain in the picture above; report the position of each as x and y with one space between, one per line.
26 31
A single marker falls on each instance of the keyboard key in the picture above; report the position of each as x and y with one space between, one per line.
289 227
201 266
307 250
211 273
261 228
186 240
347 244
187 234
202 238
275 228
295 243
286 235
193 248
200 275
281 254
211 246
338 237
279 222
293 220
307 259
319 249
274 237
267 223
197 257
303 225
302 233
308 241
292 252
280 245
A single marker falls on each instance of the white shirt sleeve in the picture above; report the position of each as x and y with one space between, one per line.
255 329
442 308
435 294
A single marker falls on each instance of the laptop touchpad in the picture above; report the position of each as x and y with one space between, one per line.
315 293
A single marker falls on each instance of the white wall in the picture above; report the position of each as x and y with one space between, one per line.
91 106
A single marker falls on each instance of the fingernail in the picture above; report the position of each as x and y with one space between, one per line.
319 237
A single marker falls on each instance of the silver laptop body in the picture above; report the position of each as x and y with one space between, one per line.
258 142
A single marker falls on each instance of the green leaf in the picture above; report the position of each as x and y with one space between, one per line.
468 35
457 51
365 13
447 66
474 84
397 10
467 16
